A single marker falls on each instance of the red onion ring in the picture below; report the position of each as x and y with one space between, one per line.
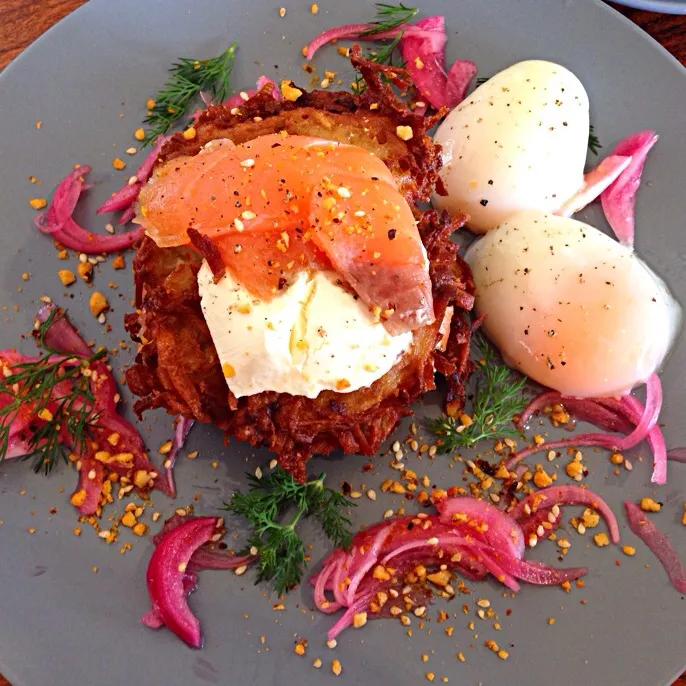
57 220
183 427
205 557
619 199
595 182
370 558
320 599
502 531
91 479
567 495
125 198
643 418
543 518
659 544
165 579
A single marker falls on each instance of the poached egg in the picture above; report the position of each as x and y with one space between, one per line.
570 307
312 337
518 142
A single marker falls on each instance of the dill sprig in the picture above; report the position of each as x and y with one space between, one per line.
498 398
390 17
593 142
188 77
33 387
281 552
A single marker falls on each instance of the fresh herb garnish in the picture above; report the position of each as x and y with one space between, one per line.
32 386
593 142
280 551
390 17
188 78
498 398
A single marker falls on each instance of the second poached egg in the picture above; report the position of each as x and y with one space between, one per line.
570 307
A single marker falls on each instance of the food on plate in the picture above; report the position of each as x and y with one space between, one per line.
625 423
292 289
62 405
518 142
280 206
393 565
659 545
619 198
422 46
570 307
408 278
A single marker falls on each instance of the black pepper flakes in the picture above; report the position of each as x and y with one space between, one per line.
391 234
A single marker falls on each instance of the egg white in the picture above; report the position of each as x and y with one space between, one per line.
312 337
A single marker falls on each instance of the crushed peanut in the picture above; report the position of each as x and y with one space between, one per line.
98 304
290 93
601 539
118 163
405 133
38 203
650 505
67 276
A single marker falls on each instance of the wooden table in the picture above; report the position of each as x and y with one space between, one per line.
22 21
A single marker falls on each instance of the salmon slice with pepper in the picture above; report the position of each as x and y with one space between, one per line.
279 204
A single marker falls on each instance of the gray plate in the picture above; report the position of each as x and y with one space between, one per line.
62 624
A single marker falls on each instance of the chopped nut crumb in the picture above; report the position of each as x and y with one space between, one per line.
575 470
314 8
189 133
601 539
98 304
405 133
336 667
140 529
290 93
541 479
85 271
650 505
118 262
359 619
430 676
629 550
118 163
38 203
317 663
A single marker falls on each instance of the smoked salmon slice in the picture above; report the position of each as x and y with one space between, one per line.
279 204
